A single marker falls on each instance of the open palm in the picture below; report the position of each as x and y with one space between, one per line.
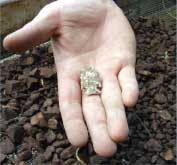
87 33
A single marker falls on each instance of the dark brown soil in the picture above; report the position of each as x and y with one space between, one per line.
30 122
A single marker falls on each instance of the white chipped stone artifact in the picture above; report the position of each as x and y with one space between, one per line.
90 81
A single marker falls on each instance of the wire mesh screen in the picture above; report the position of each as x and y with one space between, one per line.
146 8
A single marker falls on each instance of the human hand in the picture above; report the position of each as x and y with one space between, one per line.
87 33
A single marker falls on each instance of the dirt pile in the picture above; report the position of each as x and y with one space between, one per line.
30 121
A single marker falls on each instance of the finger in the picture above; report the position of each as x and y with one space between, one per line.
129 85
96 122
116 117
35 32
70 107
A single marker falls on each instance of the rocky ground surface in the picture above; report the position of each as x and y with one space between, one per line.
31 128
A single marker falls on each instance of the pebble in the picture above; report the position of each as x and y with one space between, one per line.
34 72
69 161
50 136
62 143
28 104
12 85
60 136
40 137
3 100
3 123
155 83
38 120
52 123
31 130
68 153
2 157
24 155
33 109
22 163
137 25
13 104
153 145
164 114
51 112
47 103
6 146
160 98
55 160
40 159
154 158
8 114
160 162
16 134
48 153
144 72
23 120
33 83
27 127
160 136
47 72
23 78
59 150
29 61
97 159
168 155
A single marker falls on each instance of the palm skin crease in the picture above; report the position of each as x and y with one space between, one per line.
87 33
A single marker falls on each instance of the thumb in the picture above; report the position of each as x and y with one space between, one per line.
40 29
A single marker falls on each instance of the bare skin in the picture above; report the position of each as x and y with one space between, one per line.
87 33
